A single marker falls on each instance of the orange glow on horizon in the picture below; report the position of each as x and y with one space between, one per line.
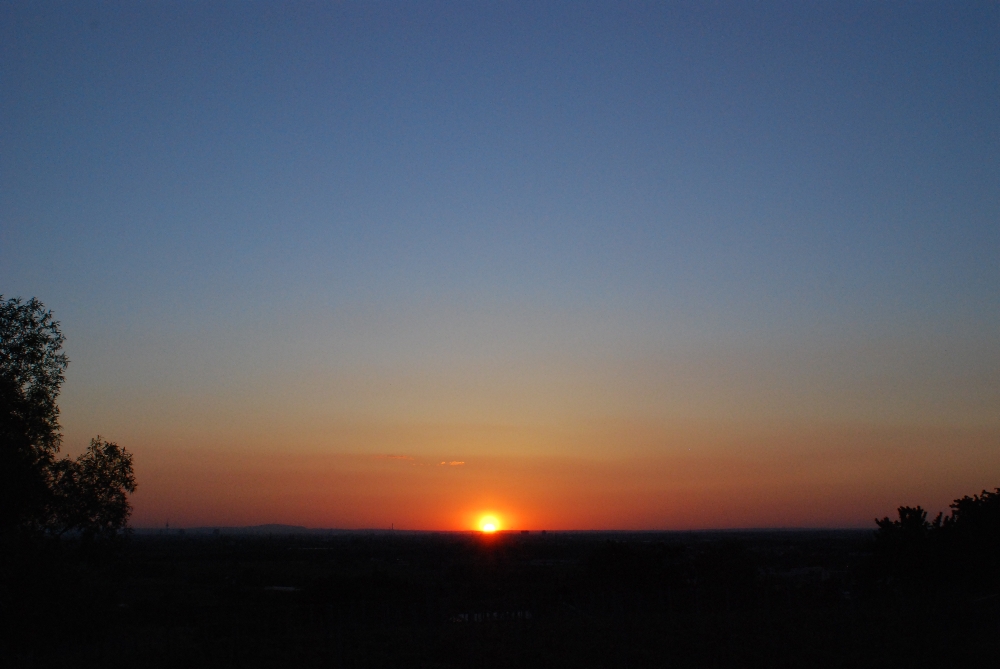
798 478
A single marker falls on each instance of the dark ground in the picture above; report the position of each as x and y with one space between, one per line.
752 599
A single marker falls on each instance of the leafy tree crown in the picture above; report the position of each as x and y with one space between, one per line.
32 370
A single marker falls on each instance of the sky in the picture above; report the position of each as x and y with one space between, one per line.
575 265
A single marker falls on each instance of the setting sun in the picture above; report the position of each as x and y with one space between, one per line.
489 524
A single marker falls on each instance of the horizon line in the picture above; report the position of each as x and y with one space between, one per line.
389 530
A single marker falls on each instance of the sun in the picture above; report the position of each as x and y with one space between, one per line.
489 524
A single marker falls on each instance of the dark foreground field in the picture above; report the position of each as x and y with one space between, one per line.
760 599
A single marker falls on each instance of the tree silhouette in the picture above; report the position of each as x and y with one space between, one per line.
31 371
961 550
91 492
38 493
971 538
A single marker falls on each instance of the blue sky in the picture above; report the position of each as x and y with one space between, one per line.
506 212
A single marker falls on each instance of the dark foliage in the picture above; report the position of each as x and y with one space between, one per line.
38 493
971 538
956 553
91 492
32 365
